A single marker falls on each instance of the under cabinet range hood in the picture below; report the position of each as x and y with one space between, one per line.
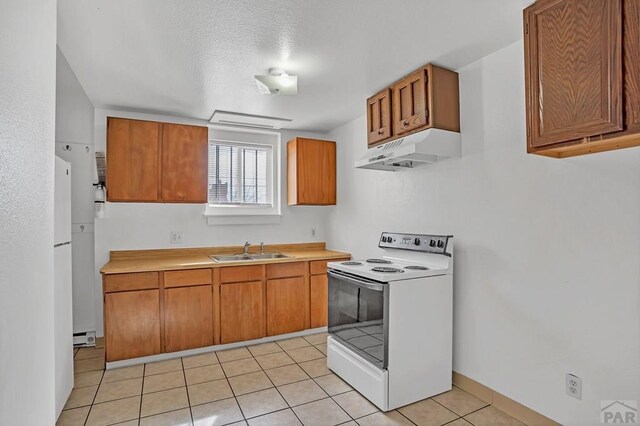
427 146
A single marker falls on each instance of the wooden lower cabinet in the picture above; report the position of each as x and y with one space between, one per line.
148 313
319 293
132 324
286 305
188 317
241 311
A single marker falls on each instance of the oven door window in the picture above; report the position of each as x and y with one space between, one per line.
356 316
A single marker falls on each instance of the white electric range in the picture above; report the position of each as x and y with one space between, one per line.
390 320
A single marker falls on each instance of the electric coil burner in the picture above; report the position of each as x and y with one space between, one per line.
390 321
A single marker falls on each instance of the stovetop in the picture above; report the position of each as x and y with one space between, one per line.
391 270
403 257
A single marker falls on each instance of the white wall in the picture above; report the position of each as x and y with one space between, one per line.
27 123
547 267
130 226
74 144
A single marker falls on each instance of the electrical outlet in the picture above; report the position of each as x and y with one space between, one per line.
176 237
313 232
573 386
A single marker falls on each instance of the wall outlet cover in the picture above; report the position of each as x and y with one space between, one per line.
573 385
176 237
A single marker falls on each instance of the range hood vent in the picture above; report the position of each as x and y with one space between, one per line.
427 146
248 120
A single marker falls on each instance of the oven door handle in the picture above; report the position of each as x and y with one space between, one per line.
355 281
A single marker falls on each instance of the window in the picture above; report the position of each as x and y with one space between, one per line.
239 174
243 174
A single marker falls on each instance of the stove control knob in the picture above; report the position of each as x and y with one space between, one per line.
440 243
432 243
416 241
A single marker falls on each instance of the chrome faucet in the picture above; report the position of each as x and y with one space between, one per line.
262 248
245 249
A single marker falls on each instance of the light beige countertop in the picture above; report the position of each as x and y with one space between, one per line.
128 261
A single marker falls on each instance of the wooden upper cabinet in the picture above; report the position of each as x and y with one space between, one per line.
410 102
582 60
311 172
379 117
133 160
427 98
156 162
184 163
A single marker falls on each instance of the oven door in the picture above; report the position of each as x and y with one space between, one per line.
358 312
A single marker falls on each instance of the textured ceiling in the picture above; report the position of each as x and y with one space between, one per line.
190 57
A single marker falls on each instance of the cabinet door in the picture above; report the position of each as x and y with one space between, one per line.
379 117
188 318
286 305
241 311
319 307
133 151
316 172
184 163
409 97
132 324
573 55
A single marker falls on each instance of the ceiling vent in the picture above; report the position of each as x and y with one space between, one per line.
248 120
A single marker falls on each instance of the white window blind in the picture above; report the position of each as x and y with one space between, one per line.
240 174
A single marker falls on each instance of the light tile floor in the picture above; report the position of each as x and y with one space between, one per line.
283 383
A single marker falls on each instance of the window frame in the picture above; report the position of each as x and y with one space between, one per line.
227 212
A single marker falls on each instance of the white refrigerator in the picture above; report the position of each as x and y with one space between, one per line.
63 308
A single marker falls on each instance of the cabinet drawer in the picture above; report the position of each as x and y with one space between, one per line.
284 270
187 277
318 267
235 274
126 282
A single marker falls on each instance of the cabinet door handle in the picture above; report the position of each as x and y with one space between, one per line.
405 123
380 132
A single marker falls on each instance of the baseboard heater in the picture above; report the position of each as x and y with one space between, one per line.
86 338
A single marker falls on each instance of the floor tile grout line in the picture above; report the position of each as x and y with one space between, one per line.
144 368
94 397
289 407
229 384
479 409
402 414
186 389
445 407
310 378
332 396
459 415
263 370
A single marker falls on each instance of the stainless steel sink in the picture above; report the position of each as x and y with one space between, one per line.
247 257
263 256
231 258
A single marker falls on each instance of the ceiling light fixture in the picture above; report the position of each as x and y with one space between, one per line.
277 82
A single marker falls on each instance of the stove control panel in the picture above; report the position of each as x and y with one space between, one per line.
415 242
